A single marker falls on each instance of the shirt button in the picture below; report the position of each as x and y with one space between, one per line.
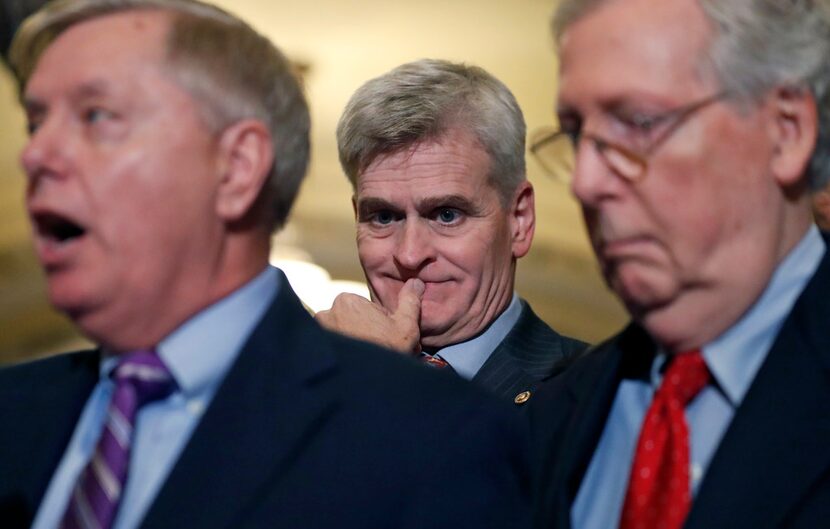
195 406
696 471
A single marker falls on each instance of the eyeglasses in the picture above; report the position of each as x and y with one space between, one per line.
556 149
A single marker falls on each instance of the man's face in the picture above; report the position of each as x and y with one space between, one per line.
121 174
696 231
431 213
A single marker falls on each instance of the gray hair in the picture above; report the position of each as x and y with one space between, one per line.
423 100
233 71
760 45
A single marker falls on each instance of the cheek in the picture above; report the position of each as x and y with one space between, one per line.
148 196
479 253
374 253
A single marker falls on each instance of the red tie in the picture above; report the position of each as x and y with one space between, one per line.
433 360
658 494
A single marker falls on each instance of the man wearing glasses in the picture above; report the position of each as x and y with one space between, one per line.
693 131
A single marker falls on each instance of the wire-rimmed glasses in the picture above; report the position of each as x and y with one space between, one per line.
555 149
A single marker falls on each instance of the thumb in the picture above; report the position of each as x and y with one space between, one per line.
409 300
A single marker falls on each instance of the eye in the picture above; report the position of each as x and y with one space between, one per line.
645 123
33 121
382 217
97 114
572 127
447 215
641 125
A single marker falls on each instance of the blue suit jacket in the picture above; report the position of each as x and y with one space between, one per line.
309 430
530 352
771 470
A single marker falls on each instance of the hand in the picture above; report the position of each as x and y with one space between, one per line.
360 318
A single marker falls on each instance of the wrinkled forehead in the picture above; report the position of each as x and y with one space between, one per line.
454 163
107 41
632 46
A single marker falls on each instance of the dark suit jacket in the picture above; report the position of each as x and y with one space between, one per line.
530 352
772 467
309 430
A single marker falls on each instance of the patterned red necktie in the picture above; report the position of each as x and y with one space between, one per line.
140 377
658 494
433 360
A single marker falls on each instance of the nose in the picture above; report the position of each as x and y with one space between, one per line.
47 152
592 179
414 248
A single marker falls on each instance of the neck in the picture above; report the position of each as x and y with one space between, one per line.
708 308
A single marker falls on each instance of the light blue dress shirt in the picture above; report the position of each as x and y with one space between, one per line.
199 354
733 360
466 358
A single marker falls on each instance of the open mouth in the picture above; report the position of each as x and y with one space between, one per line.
57 228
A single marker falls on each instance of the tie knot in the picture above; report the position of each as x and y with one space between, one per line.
145 373
685 377
433 360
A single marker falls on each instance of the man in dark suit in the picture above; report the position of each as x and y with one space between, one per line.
697 129
168 139
435 153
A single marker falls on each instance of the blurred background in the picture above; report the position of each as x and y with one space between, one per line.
340 45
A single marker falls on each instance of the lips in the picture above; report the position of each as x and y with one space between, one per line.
56 237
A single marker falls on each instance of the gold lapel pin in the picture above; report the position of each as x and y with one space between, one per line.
522 397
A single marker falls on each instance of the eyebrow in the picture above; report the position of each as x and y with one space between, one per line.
88 90
368 205
447 201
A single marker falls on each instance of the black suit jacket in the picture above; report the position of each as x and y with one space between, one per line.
530 352
772 467
309 429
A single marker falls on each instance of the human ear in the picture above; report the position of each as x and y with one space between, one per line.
246 158
794 130
522 219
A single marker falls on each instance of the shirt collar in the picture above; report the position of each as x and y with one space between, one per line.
735 357
201 350
466 358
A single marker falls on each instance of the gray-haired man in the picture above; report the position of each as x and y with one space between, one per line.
435 152
167 140
697 128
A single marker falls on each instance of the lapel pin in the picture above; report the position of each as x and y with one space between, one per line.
522 397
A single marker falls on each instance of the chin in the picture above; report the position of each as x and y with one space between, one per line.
642 293
70 301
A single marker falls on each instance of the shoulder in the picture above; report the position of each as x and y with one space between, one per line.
531 330
538 346
437 407
457 438
579 374
397 380
36 375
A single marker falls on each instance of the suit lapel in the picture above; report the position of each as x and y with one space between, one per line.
593 391
273 399
777 444
41 429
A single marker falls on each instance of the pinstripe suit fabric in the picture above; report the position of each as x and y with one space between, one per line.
530 352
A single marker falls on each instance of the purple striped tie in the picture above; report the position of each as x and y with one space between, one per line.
140 377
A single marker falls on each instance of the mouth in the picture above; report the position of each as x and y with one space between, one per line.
57 229
622 246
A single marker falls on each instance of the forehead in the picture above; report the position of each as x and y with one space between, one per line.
634 47
111 46
454 163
